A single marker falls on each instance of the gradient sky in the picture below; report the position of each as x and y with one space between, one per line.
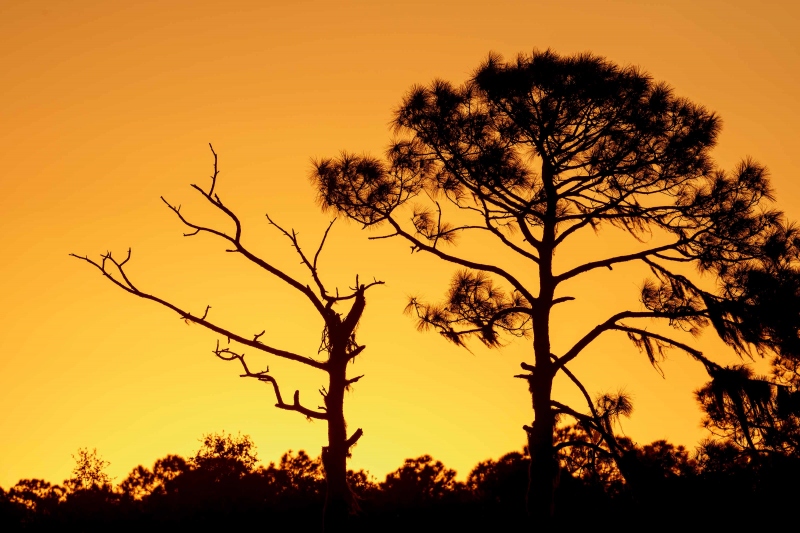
108 105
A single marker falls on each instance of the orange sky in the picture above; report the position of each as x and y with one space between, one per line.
106 106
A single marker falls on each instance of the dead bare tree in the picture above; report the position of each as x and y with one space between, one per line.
338 342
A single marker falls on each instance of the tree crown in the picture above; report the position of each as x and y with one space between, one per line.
534 150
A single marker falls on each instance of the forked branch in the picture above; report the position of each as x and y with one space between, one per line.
236 239
125 284
227 354
417 245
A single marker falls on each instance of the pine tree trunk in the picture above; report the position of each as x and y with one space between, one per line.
543 471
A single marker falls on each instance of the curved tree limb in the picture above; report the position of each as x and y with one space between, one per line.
227 354
418 245
235 240
610 324
696 354
127 286
586 267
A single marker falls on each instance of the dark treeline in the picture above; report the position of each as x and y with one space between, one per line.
223 486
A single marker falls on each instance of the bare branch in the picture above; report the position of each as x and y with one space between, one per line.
227 354
355 352
505 240
580 386
312 267
127 286
376 237
354 438
350 381
236 241
613 260
577 443
216 172
322 243
417 245
526 232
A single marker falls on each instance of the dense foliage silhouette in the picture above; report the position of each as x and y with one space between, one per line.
760 415
530 154
224 487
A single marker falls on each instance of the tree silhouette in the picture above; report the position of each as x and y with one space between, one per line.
501 483
711 486
582 454
89 471
226 454
761 414
36 495
139 484
338 340
420 481
222 485
754 413
143 482
534 152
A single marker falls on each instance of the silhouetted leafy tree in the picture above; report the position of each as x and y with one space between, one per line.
752 412
35 500
139 484
338 340
12 514
143 482
535 151
420 481
222 485
226 454
168 468
666 459
90 502
218 483
33 493
363 484
500 485
658 472
746 485
760 413
298 475
89 472
422 494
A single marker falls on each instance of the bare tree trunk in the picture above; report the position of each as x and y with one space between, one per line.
339 500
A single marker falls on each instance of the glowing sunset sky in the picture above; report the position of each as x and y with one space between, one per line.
108 105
